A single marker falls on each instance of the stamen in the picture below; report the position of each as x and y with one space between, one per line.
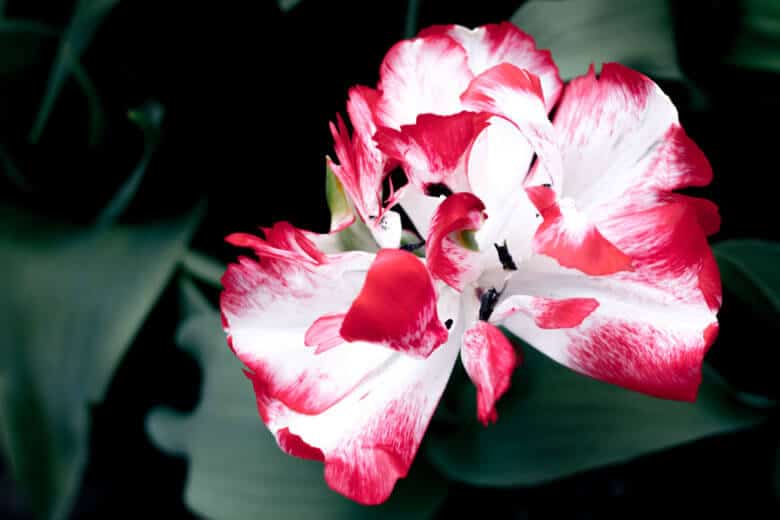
437 190
505 258
448 323
487 302
413 246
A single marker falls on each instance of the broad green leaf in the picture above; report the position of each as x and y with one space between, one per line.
149 119
203 268
87 16
72 303
757 42
636 33
749 269
236 470
554 423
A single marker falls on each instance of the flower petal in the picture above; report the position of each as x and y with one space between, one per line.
269 305
547 313
493 44
434 150
489 359
396 306
420 208
369 439
421 76
362 166
516 95
622 146
498 164
650 330
448 259
568 237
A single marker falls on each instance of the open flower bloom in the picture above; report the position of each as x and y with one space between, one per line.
568 233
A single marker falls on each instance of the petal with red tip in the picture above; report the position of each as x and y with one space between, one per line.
448 258
492 44
516 95
422 76
648 332
269 304
369 439
435 149
622 146
361 165
396 306
568 237
489 359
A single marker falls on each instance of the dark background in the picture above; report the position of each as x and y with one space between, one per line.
248 91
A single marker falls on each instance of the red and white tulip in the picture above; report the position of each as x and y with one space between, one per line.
569 233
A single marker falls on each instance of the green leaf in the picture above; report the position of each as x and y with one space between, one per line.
72 302
23 43
287 5
757 42
554 423
236 470
636 33
87 16
749 271
149 119
204 268
338 201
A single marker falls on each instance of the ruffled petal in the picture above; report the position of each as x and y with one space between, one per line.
652 325
396 306
489 359
493 44
449 257
434 151
367 440
268 306
421 76
516 95
622 147
567 236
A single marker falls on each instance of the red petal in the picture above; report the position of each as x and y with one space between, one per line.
324 333
362 166
489 359
573 242
547 313
396 307
435 149
447 260
295 446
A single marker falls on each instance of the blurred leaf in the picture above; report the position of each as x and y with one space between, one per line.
757 43
287 5
555 423
87 16
149 118
23 43
636 33
749 269
72 302
236 469
203 268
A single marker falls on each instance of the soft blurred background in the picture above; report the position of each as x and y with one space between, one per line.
135 135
